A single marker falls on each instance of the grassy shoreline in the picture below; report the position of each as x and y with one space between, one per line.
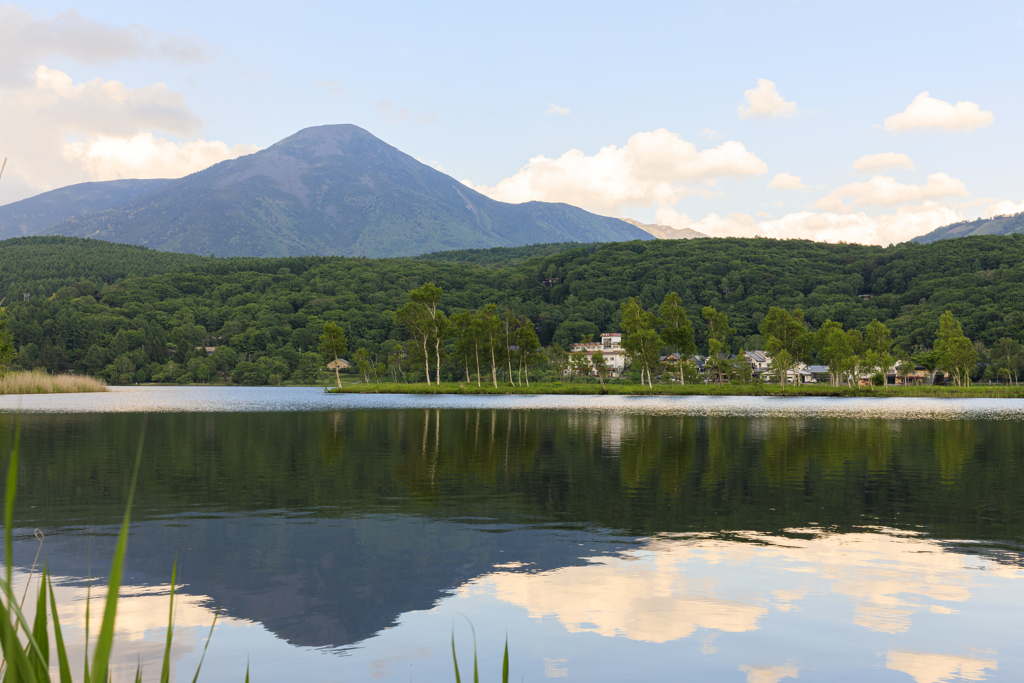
38 382
580 389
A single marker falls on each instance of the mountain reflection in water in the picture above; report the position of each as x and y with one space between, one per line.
611 545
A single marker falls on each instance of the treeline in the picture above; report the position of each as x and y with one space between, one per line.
118 311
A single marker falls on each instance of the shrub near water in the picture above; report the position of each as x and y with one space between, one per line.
38 382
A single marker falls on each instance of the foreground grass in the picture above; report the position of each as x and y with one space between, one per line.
38 382
625 389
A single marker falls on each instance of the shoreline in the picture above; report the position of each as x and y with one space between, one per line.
753 390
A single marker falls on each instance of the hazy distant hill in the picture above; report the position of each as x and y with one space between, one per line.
35 214
666 232
333 190
1000 225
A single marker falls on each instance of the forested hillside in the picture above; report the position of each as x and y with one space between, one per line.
92 303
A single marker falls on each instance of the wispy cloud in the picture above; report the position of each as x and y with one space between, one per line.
333 85
555 109
393 112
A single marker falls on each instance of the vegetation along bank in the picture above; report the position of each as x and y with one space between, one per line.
130 314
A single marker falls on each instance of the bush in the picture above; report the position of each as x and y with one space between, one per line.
250 374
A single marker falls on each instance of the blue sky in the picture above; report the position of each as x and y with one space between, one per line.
706 103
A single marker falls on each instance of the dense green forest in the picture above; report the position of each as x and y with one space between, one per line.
91 303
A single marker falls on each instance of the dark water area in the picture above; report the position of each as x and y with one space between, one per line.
612 541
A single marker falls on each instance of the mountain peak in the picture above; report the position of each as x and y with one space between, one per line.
334 189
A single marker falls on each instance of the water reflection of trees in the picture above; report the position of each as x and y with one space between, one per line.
630 471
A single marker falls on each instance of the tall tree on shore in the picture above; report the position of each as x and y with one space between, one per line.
835 349
787 340
957 354
878 340
490 326
642 344
333 344
416 321
462 326
718 331
676 329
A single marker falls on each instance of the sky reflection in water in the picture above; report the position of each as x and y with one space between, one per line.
610 544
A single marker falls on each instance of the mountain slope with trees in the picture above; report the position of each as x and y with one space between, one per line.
35 214
1000 225
333 190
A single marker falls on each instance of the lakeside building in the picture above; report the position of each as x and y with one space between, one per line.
610 344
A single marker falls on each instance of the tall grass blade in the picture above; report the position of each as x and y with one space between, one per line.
88 602
105 639
199 668
41 636
19 668
165 672
58 639
458 679
504 663
138 672
247 672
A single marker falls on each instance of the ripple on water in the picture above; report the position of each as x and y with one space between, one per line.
291 399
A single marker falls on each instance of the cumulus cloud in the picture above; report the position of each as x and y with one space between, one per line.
59 132
1003 208
886 191
905 223
785 181
878 162
146 156
928 113
655 168
555 109
710 133
765 102
28 41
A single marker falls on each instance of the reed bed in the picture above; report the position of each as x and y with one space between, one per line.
39 382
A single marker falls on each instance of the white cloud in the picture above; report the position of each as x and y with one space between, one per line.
655 168
146 156
877 162
886 191
709 133
785 181
555 109
765 102
27 41
58 133
1003 208
928 113
905 223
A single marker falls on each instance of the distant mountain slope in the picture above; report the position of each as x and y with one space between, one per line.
35 214
666 232
333 190
1000 225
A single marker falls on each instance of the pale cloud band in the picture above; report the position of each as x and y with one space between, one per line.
872 163
786 181
886 191
654 168
555 109
27 41
928 113
765 102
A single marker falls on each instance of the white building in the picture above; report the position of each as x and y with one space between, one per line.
610 345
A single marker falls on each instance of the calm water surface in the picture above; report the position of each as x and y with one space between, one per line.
611 538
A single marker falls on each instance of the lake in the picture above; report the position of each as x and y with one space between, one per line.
345 537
